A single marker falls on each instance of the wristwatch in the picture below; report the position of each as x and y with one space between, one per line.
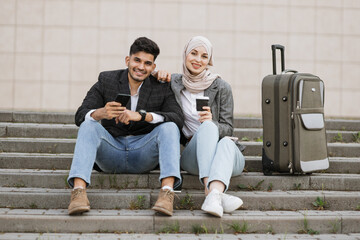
143 114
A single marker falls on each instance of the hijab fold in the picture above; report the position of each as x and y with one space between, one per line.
200 82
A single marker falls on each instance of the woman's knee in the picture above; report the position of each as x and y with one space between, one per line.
227 148
209 125
227 142
209 129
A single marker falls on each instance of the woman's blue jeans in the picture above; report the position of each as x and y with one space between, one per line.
206 156
129 154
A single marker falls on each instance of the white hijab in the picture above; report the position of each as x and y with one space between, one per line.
202 81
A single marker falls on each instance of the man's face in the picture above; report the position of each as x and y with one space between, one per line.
140 65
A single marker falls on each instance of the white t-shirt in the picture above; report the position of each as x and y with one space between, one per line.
191 116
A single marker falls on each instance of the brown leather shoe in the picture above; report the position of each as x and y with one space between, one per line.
165 202
79 202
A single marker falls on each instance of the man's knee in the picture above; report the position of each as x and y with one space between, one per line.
90 126
169 129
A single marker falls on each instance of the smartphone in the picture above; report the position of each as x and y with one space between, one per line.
123 99
201 102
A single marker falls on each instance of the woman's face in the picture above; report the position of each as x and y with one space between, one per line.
197 60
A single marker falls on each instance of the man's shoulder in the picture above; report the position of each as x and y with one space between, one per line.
157 84
111 73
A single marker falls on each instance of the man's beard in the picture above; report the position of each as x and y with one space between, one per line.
135 78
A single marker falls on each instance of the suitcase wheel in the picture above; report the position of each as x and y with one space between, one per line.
268 164
267 172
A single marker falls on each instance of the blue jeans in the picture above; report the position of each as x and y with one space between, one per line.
206 156
129 154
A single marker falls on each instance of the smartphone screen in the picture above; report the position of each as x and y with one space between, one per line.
123 99
201 102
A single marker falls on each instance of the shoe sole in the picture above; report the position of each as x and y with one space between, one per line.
212 213
79 210
162 210
235 208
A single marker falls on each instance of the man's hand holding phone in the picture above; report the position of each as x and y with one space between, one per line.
109 111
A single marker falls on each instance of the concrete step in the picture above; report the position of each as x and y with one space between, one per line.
37 145
172 236
247 181
337 165
35 160
330 124
9 160
334 149
239 122
37 117
34 130
44 198
184 221
256 134
53 145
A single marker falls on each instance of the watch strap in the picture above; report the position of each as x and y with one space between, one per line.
143 115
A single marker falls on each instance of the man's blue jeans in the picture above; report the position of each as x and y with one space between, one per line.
206 156
129 154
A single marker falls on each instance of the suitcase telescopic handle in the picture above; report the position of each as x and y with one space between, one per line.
282 50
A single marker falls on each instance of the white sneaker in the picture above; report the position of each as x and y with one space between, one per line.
212 203
230 203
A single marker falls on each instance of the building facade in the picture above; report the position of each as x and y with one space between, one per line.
51 51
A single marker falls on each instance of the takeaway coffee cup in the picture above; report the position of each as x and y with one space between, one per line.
201 102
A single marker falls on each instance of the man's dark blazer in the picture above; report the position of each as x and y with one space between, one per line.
153 97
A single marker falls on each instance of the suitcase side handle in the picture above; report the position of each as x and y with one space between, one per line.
289 70
282 50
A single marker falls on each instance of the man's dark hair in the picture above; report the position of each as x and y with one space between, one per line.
143 44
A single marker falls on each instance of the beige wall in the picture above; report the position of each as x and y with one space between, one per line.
51 51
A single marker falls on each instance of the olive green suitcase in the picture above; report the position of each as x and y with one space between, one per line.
294 136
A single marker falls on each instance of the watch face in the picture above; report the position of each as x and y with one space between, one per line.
143 114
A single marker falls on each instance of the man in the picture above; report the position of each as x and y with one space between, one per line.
130 139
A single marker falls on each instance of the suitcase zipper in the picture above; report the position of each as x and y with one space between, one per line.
290 167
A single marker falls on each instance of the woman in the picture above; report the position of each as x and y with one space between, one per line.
207 153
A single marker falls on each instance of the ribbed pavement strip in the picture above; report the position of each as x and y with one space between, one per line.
35 130
254 134
146 221
251 180
43 198
53 145
174 236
